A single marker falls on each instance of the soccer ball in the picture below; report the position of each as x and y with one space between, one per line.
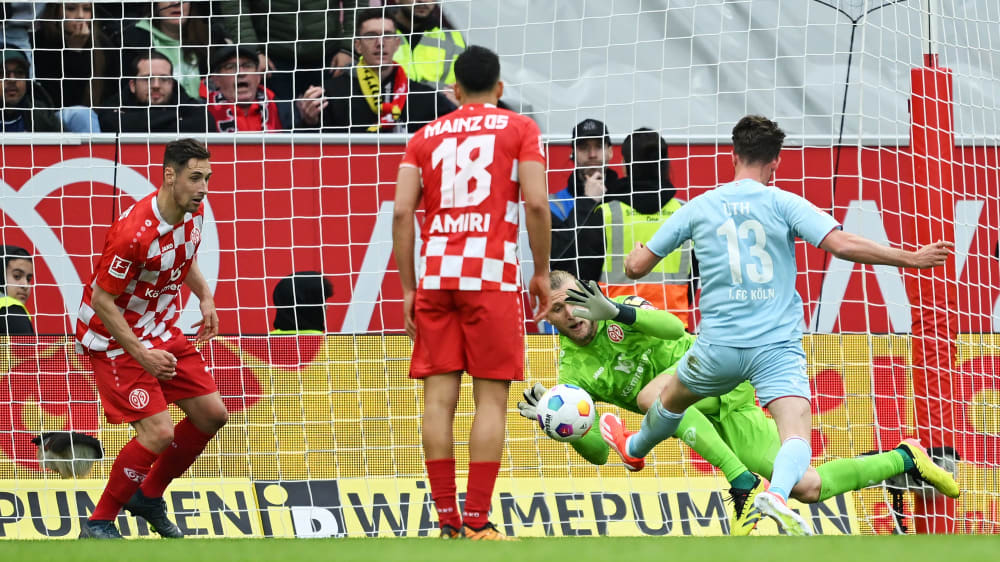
565 412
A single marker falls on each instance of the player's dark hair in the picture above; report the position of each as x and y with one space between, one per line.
645 155
757 139
371 14
477 69
178 152
11 253
150 56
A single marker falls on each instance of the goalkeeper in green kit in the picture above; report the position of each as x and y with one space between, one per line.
621 351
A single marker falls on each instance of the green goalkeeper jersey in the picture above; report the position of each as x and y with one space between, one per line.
622 359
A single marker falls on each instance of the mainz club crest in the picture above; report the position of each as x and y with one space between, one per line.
138 398
615 333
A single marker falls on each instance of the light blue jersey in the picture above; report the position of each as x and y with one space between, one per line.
744 238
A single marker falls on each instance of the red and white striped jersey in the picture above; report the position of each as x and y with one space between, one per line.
145 261
468 167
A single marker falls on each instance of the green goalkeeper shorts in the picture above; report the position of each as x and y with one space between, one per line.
753 437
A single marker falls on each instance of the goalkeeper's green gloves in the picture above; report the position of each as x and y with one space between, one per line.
590 303
532 395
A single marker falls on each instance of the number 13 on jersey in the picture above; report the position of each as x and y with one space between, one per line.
761 272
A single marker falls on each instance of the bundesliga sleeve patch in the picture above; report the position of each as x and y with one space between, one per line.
119 267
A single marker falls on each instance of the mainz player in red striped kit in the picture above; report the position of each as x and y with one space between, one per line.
470 168
141 360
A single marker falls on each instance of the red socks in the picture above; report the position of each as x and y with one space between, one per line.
482 477
134 467
441 473
130 468
188 443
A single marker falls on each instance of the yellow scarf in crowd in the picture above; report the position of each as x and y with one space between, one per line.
388 112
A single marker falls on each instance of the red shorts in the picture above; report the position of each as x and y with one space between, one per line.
481 333
128 393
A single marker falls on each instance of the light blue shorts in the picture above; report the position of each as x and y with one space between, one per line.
775 370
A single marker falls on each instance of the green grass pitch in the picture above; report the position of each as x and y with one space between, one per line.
709 549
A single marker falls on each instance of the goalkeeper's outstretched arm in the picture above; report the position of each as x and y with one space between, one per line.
591 303
658 323
592 447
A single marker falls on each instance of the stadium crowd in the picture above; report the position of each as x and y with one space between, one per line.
226 66
332 66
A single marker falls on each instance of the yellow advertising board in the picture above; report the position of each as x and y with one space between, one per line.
533 507
355 507
36 509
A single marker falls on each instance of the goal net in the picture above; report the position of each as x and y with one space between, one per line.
892 118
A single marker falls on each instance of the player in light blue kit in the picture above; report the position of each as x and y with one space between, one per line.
751 315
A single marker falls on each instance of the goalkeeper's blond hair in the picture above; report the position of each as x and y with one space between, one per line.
558 277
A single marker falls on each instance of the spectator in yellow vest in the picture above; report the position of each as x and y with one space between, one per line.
634 211
15 290
300 299
429 46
